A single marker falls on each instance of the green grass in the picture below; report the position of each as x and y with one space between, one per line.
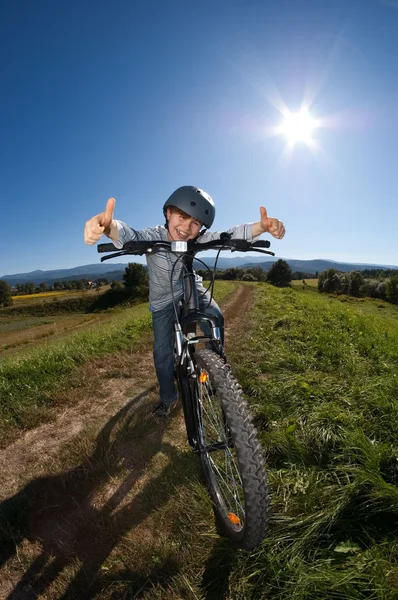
371 306
320 375
11 325
298 283
28 381
323 382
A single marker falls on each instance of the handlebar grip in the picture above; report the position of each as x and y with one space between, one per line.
106 248
262 244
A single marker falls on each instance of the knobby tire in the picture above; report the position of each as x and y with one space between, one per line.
231 459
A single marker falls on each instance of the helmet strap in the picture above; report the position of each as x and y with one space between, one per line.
199 235
165 216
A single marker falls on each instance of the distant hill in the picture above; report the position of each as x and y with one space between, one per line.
308 266
115 270
111 271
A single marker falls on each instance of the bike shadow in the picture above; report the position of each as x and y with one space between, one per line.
217 571
68 518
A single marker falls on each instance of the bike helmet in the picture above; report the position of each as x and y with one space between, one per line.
194 202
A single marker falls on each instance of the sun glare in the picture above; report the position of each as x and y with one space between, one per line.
298 127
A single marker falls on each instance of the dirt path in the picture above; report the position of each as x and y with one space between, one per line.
116 393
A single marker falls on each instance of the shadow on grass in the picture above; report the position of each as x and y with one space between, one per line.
215 580
60 513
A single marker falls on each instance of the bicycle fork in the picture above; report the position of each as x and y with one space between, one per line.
185 375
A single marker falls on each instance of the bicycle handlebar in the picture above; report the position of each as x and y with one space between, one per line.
225 242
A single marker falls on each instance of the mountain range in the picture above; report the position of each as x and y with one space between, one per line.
116 270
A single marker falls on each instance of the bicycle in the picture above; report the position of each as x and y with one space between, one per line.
217 418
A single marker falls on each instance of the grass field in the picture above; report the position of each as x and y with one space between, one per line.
46 296
28 376
25 332
321 377
21 330
312 283
40 295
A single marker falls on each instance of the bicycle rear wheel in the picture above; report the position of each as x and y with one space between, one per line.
231 456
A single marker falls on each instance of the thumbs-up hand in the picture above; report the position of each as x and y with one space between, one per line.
271 225
100 224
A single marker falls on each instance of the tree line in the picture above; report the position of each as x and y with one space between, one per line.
279 274
355 283
23 289
73 284
134 286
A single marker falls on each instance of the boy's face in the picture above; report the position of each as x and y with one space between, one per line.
181 225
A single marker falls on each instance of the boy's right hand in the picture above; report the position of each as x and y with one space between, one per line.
102 223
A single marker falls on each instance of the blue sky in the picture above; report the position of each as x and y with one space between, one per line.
133 99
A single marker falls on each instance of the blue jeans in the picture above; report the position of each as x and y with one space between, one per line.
163 351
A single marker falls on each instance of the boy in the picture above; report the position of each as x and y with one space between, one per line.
186 211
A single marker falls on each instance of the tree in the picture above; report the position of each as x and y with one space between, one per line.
324 279
5 294
392 290
135 275
355 283
332 281
80 284
258 273
230 274
249 277
344 283
369 288
30 287
102 281
381 290
280 274
135 279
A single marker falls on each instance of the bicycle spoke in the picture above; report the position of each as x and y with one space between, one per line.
208 412
235 495
222 462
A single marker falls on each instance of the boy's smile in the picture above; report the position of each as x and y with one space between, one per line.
182 226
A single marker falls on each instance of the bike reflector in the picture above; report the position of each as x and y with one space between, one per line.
203 377
234 518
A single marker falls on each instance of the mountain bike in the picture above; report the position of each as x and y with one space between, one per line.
217 418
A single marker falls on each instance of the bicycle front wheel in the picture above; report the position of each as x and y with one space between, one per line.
231 456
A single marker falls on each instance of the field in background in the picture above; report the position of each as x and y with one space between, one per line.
59 294
40 295
298 283
18 334
19 331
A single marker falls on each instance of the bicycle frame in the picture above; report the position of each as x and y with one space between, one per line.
185 341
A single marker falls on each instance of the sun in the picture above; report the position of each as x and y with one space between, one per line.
298 127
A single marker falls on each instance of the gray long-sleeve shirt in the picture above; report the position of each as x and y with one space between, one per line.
160 264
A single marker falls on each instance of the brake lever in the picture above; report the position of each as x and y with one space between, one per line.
121 253
262 251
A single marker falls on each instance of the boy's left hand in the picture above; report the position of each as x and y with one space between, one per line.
271 225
